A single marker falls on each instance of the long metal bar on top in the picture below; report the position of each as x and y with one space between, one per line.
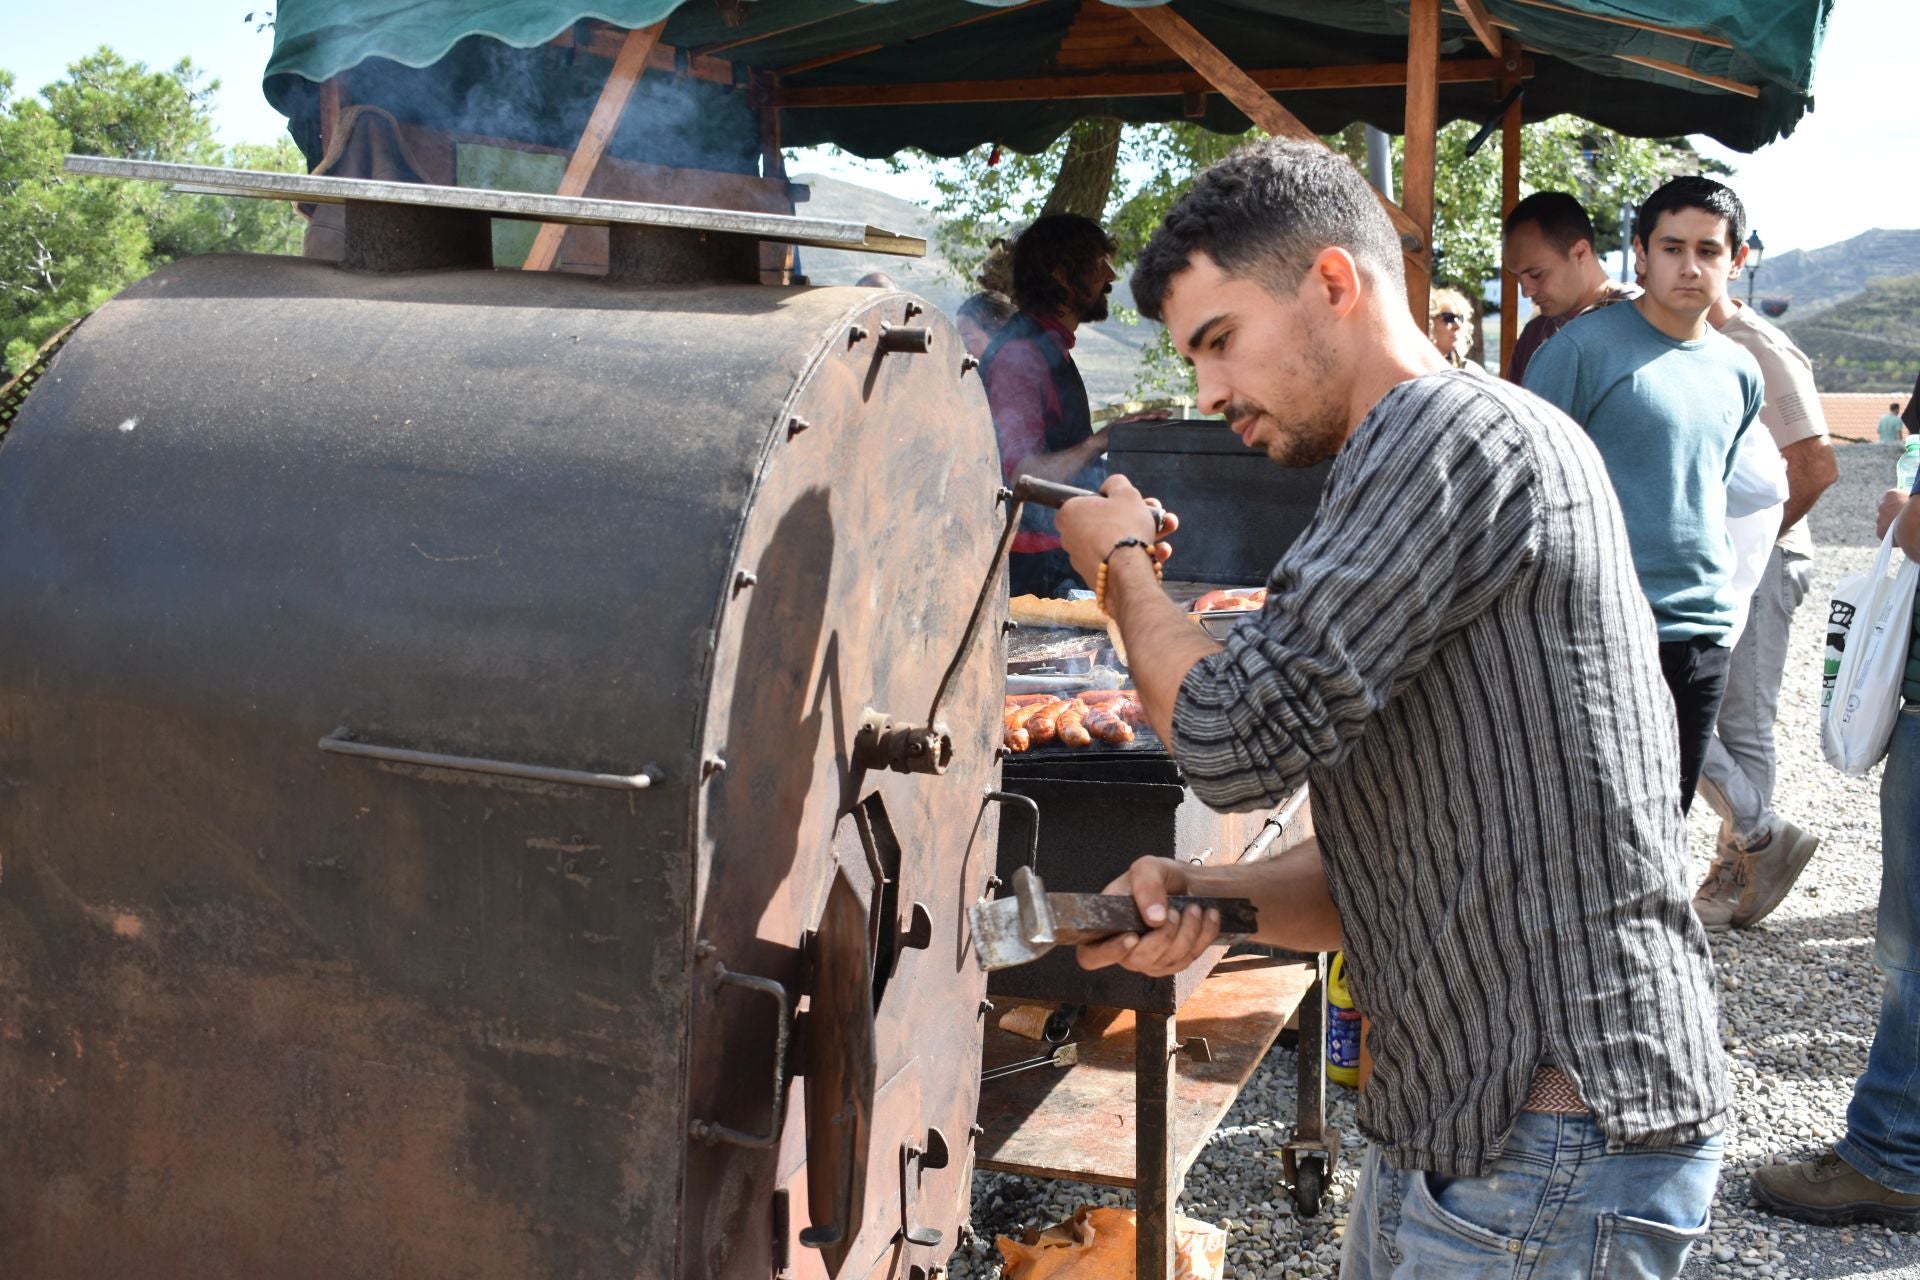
818 233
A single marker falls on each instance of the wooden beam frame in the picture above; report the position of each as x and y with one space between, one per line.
1253 101
1475 12
827 60
1678 33
605 41
1511 141
1128 84
1688 73
708 50
627 69
1422 137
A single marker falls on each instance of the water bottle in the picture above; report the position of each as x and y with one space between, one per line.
1343 1026
1907 467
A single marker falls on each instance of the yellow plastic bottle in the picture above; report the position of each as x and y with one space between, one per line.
1343 1026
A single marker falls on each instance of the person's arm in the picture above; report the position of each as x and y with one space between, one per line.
1811 469
1020 392
1162 640
1289 893
1063 465
1793 418
1896 506
1419 542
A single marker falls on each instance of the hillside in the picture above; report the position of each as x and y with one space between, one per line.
1817 279
1869 342
1107 353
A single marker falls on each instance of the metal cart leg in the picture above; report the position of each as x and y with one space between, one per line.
1153 1189
1309 1155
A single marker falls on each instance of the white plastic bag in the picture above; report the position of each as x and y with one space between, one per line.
1868 627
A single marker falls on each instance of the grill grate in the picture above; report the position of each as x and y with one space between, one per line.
14 394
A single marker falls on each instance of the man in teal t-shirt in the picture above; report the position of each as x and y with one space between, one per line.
1890 426
1666 399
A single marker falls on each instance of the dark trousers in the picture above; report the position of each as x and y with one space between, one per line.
1696 672
1041 573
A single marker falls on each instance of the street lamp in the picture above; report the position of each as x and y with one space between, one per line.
1754 250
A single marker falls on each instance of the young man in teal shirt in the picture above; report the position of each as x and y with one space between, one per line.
1666 399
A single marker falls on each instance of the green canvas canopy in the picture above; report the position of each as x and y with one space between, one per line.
876 78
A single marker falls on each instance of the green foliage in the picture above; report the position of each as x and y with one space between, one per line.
68 243
986 194
1870 342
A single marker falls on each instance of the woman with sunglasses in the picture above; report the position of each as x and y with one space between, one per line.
1450 324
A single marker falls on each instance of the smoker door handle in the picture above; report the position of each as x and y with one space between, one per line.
342 743
710 1133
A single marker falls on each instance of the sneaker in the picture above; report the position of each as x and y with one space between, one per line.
1829 1192
1778 853
1718 899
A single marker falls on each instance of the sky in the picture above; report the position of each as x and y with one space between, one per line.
1847 168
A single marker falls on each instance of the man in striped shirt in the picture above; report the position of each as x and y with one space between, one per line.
1458 657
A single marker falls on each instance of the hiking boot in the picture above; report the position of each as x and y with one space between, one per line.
1718 900
1777 853
1829 1192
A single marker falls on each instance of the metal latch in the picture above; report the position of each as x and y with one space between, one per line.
880 743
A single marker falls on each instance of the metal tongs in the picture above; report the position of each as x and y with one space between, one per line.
1021 928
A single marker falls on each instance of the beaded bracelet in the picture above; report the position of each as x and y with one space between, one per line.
1100 579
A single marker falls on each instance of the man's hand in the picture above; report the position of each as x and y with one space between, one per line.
1145 415
1174 943
1892 503
1090 527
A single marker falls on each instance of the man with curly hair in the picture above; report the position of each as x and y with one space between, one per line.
1062 274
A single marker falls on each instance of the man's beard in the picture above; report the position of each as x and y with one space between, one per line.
1318 425
1095 308
1302 442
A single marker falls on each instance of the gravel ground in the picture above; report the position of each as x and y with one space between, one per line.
1799 999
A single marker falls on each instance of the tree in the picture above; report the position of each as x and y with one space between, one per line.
988 193
69 243
1085 179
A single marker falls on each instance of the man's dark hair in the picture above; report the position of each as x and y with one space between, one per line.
1265 213
1057 240
1894 407
987 309
1562 220
1693 192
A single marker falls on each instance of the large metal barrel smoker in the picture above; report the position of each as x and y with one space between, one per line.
493 765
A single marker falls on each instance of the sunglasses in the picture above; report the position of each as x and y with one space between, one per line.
1452 317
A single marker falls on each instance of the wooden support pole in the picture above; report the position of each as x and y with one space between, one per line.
1422 137
627 67
1510 144
1260 106
1155 1190
332 95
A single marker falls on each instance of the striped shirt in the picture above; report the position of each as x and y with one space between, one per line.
1457 656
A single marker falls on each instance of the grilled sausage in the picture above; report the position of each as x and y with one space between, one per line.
1042 725
1108 727
1016 739
1072 725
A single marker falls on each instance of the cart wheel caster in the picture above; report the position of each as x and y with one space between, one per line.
1309 1185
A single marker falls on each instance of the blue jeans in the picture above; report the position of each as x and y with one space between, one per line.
1883 1120
1555 1204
